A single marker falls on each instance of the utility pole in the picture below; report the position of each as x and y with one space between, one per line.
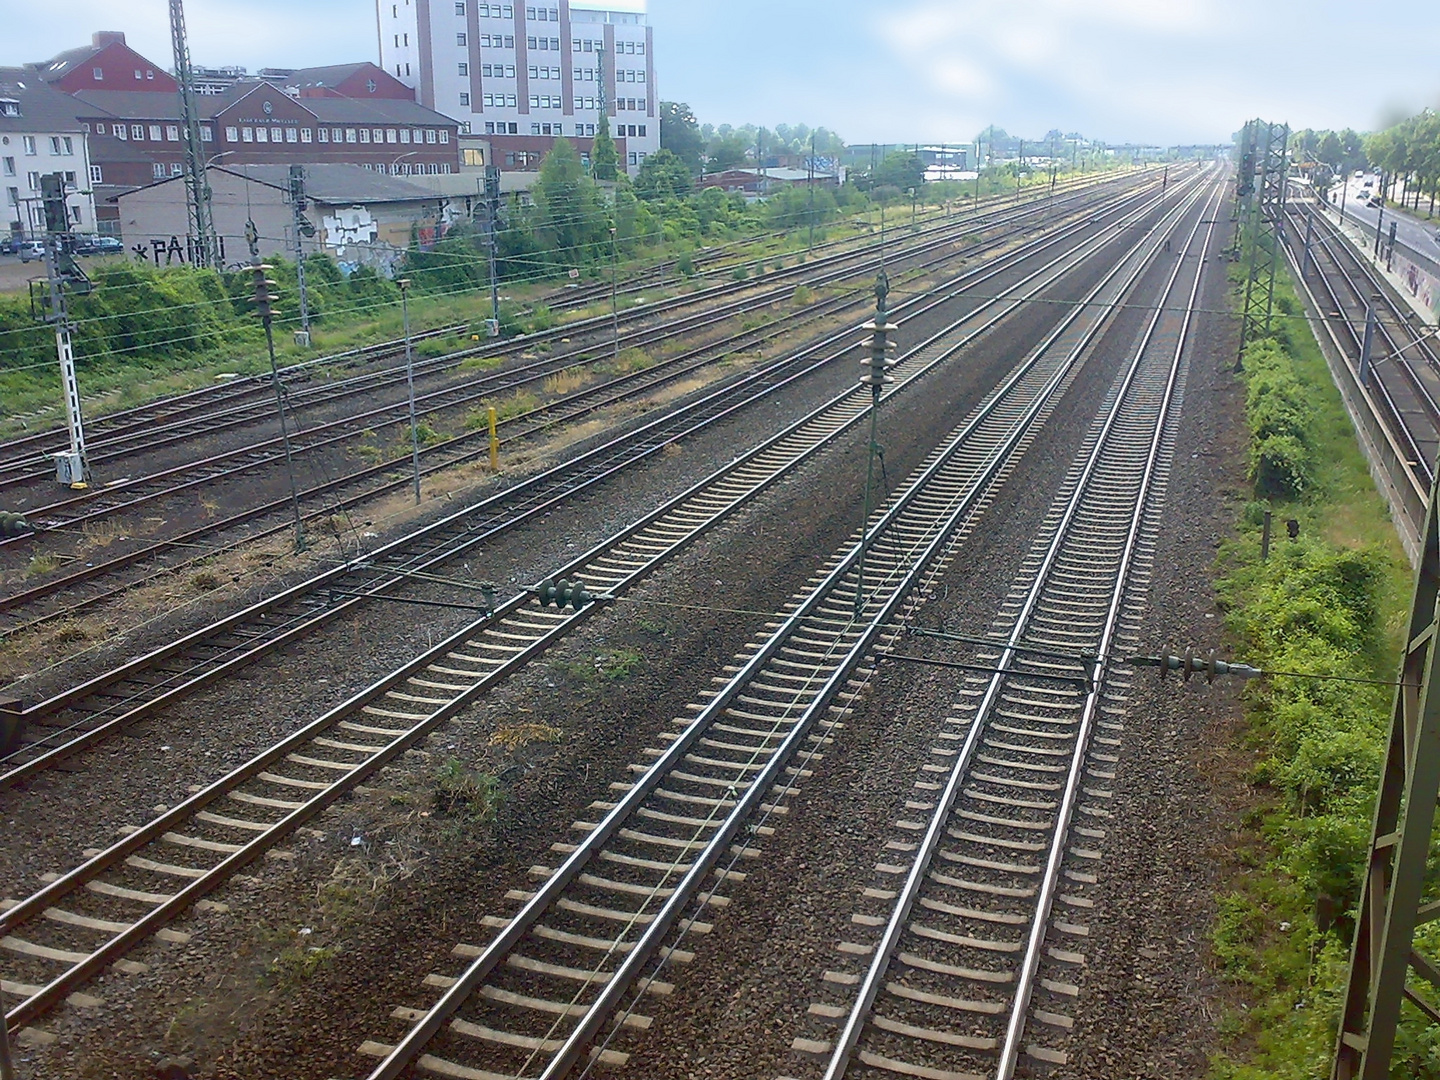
614 305
492 214
72 467
204 247
877 366
303 228
263 299
810 246
404 284
1392 901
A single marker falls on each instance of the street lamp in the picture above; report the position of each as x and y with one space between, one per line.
399 159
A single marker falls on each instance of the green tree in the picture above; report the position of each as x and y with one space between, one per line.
663 176
680 133
604 158
900 169
727 152
570 219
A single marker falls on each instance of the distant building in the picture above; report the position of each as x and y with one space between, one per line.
40 133
361 217
761 182
523 74
131 108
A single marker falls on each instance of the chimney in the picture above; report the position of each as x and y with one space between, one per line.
101 38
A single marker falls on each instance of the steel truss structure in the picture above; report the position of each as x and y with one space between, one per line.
1264 167
1393 900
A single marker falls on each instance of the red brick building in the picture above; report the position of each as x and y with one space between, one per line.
307 118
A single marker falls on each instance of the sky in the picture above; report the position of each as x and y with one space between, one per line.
1147 71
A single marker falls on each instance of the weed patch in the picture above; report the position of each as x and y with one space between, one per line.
470 797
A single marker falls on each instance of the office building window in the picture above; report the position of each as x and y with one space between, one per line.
9 164
459 7
172 133
176 168
465 99
307 135
99 74
338 135
247 134
207 134
262 134
444 137
391 135
350 135
292 134
96 177
157 171
463 70
429 135
324 134
534 129
404 135
460 40
364 135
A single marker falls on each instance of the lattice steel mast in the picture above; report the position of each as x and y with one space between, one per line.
204 249
1267 168
1393 901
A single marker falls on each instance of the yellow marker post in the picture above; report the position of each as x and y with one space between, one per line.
494 443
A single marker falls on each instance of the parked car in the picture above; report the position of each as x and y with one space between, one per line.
97 245
32 249
9 245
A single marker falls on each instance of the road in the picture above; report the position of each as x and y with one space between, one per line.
1412 233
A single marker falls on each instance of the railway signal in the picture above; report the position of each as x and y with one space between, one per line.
265 298
62 273
877 366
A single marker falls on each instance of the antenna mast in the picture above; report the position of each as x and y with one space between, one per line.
203 246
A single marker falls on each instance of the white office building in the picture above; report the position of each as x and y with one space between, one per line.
522 74
39 134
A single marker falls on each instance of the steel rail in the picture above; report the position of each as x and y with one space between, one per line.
423 694
1380 386
651 438
902 543
1417 379
1387 442
448 451
846 1044
931 236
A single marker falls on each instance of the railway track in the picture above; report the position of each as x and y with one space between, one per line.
1403 373
249 402
193 407
87 919
80 717
72 588
580 966
979 904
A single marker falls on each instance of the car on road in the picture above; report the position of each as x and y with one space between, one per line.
1375 202
32 249
98 245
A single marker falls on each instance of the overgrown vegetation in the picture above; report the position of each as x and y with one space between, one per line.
467 796
1331 603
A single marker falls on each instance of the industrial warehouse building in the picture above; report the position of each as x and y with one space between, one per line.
361 217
